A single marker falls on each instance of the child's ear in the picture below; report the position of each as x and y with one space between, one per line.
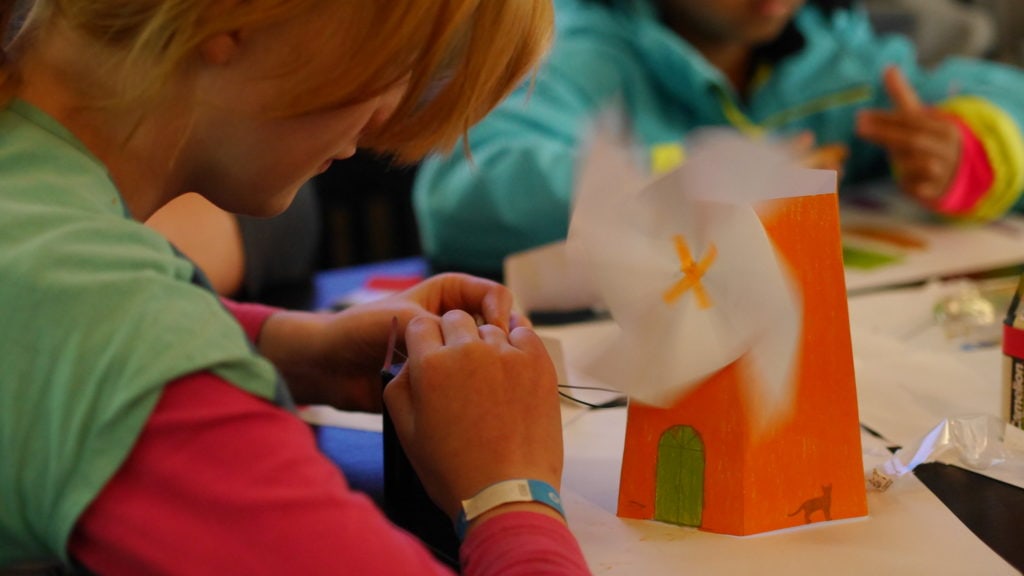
220 48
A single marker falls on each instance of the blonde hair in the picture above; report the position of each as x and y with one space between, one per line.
459 57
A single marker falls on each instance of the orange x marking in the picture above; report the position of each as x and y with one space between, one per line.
692 274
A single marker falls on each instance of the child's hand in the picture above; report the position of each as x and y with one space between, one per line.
336 358
475 405
923 145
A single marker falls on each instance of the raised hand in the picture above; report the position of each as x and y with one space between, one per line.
923 143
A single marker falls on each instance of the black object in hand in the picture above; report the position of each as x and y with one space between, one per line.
405 500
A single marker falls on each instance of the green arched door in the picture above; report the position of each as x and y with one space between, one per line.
679 492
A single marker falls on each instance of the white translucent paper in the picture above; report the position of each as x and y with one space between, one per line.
624 233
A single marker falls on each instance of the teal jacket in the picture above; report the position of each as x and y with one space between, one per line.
515 191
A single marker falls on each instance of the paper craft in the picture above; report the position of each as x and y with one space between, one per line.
909 532
725 280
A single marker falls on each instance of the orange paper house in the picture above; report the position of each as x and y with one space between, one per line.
705 460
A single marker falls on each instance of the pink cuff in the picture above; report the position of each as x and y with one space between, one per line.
974 176
250 316
522 543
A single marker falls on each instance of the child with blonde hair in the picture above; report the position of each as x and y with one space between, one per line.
145 424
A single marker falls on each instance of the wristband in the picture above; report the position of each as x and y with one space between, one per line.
506 492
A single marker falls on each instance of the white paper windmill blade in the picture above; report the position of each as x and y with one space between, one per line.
687 271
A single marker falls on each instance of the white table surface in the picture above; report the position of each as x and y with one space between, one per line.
910 377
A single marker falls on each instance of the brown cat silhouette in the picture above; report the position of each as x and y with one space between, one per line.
823 503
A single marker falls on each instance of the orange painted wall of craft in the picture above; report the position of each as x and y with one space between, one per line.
753 484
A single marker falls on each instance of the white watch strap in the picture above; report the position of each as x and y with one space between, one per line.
505 492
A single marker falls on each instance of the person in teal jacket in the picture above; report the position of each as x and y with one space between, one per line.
950 135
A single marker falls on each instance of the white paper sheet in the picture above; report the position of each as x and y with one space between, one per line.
546 279
924 246
909 375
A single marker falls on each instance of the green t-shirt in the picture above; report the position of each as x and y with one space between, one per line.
97 314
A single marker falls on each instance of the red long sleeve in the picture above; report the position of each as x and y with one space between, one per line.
250 316
223 482
973 177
